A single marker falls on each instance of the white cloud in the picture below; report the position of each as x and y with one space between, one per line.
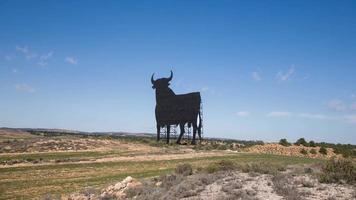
243 114
351 119
256 76
22 49
71 60
24 88
27 53
279 114
281 76
315 116
44 58
337 105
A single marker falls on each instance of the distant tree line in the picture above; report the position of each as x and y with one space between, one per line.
347 150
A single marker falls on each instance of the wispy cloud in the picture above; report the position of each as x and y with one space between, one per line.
23 49
9 57
315 116
27 53
243 113
256 76
353 106
25 88
71 60
44 58
284 76
337 105
279 114
351 119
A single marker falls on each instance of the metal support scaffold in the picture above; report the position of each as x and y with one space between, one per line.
188 131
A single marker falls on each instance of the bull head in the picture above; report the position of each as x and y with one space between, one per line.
162 82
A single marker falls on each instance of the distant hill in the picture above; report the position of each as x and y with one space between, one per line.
32 132
11 133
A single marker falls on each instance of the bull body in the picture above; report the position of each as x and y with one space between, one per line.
172 109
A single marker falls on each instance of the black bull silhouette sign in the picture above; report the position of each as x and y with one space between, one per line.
173 109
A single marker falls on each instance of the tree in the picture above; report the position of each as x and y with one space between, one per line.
284 142
301 141
312 143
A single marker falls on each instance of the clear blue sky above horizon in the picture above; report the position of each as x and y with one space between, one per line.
266 69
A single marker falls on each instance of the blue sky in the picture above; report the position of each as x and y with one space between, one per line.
266 69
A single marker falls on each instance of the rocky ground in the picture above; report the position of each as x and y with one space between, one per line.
293 184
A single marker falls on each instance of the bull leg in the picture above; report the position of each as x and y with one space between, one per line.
194 133
181 125
168 129
158 132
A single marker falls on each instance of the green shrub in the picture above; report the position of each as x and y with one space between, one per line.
226 165
262 168
222 147
184 169
312 143
220 165
313 151
304 152
301 141
338 171
284 142
323 150
212 168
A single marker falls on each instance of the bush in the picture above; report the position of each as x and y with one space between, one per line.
312 143
338 171
262 168
222 147
304 152
283 185
323 150
184 169
301 141
223 165
212 168
284 142
313 151
226 165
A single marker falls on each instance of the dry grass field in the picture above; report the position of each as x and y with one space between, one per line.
34 166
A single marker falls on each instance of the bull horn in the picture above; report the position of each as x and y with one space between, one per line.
170 78
152 80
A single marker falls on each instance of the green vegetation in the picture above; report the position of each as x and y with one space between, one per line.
184 169
301 141
338 171
304 152
347 150
284 142
262 167
57 156
312 143
323 150
313 151
37 180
